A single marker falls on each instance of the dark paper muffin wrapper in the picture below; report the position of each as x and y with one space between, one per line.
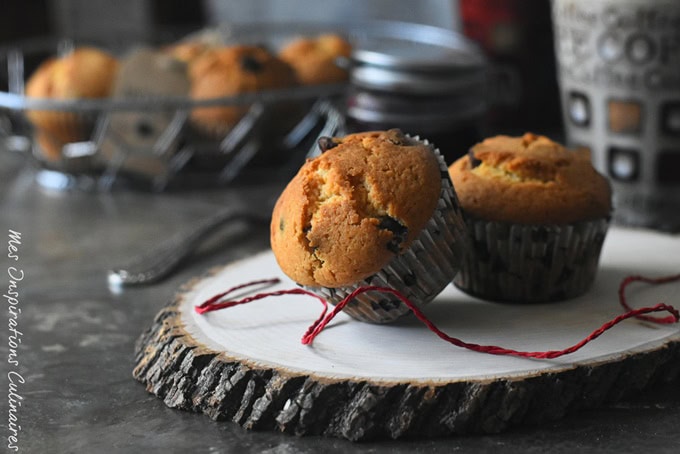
531 263
421 272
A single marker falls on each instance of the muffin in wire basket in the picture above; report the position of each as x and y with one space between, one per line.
375 208
84 73
537 215
316 59
230 71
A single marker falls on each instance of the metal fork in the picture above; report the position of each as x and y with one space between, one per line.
162 260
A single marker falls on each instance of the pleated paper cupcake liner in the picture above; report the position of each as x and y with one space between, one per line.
531 263
54 129
421 272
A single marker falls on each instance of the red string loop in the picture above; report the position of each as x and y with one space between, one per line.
320 323
673 318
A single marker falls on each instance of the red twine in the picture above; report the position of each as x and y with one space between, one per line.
214 304
673 318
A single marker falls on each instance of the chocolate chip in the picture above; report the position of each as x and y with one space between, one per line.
326 143
251 64
399 232
281 224
393 225
396 136
393 246
474 162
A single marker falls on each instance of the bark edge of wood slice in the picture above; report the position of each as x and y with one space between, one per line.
186 374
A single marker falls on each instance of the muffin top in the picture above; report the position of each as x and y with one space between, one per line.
240 68
353 208
529 180
315 59
187 51
86 72
229 71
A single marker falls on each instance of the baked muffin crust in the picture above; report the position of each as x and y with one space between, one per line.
350 210
85 73
229 71
529 180
315 59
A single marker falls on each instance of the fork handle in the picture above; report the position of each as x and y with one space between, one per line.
162 260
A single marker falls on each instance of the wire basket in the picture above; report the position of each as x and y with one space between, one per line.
149 141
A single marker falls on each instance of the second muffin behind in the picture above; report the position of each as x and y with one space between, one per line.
537 214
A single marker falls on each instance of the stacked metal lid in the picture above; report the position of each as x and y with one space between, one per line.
421 84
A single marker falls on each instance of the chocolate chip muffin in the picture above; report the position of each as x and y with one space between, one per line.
85 73
186 51
316 60
230 71
537 214
376 208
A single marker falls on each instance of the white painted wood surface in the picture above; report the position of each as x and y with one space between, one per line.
267 333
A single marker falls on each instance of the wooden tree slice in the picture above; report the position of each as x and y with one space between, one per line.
361 381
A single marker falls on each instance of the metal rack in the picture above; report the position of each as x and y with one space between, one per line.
160 150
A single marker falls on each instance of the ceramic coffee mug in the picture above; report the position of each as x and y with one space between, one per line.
619 75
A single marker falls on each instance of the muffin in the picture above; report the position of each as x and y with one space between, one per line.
537 215
85 73
315 60
375 208
144 142
186 51
230 71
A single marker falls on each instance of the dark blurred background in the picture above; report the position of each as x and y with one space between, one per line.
515 34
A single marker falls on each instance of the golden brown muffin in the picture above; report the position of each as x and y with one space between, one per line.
349 211
230 71
529 180
186 51
84 73
315 60
536 214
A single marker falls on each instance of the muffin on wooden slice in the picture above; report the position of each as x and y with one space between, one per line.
537 215
375 208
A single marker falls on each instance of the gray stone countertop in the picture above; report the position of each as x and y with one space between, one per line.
77 342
